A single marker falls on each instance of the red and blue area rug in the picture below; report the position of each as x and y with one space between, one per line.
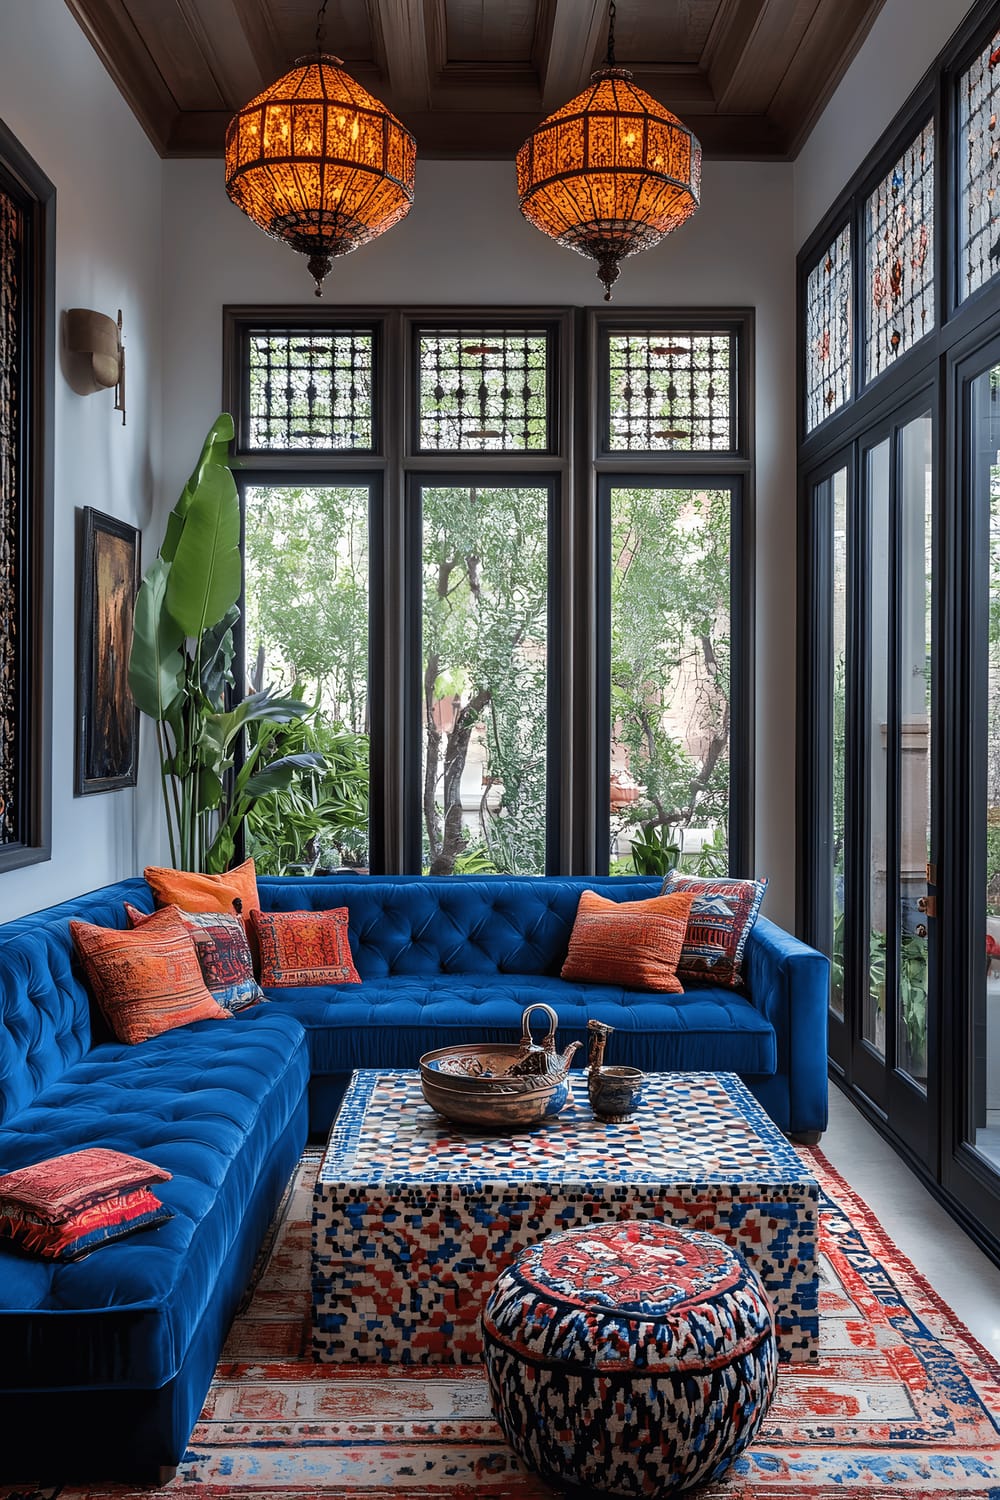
904 1402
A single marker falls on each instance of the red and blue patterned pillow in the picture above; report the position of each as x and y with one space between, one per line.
304 948
720 922
220 941
66 1206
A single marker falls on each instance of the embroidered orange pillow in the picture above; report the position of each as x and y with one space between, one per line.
304 947
636 944
144 983
192 891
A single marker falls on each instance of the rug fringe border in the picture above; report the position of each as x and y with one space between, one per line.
874 1227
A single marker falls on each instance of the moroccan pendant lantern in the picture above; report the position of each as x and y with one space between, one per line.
319 163
611 172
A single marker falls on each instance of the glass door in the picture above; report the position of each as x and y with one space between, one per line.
971 1159
894 814
828 645
873 541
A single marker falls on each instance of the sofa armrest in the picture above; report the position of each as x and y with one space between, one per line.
789 983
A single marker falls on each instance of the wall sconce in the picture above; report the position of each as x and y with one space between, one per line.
97 354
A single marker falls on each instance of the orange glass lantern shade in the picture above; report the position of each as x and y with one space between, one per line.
610 173
318 162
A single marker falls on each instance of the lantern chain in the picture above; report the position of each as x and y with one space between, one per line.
321 27
611 33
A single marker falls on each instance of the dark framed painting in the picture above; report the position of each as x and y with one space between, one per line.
107 736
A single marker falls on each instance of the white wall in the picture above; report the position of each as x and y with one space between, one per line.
905 40
465 242
57 99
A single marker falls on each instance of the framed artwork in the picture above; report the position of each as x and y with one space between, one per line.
107 733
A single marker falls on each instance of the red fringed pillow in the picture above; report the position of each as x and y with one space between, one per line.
636 944
66 1206
145 982
220 942
304 948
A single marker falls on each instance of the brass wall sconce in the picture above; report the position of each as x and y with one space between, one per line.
97 353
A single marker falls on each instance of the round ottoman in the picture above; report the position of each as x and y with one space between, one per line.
630 1358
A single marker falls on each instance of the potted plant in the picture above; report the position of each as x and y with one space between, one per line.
180 668
653 849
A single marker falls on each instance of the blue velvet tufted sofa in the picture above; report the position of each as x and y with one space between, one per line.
112 1356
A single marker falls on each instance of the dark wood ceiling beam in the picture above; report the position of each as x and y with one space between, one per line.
400 29
126 57
217 27
256 21
746 80
826 52
578 28
446 135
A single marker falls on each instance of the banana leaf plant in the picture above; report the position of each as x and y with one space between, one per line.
180 668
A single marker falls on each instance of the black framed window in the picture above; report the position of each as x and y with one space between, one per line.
669 390
484 390
308 388
828 316
490 481
895 801
27 292
979 167
899 238
673 669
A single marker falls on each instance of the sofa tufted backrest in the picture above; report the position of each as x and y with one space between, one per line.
44 1008
447 924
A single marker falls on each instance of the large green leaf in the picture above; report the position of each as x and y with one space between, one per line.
280 774
206 572
214 450
222 728
217 652
156 666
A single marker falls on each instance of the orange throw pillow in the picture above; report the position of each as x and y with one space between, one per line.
145 983
192 891
636 944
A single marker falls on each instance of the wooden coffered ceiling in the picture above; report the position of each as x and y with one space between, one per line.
474 77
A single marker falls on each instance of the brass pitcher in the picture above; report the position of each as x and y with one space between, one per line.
615 1093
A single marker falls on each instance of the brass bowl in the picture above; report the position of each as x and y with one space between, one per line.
466 1085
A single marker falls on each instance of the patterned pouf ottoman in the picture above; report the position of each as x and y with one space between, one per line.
630 1358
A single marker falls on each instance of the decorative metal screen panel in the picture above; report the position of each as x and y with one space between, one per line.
311 388
483 389
899 256
829 342
979 169
671 390
12 231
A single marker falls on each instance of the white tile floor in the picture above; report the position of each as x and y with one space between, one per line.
958 1271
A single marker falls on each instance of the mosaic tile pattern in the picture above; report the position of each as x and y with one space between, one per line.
413 1221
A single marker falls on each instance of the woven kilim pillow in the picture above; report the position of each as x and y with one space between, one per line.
220 942
66 1206
144 982
632 943
304 948
721 920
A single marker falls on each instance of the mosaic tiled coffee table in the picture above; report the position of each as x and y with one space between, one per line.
413 1218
